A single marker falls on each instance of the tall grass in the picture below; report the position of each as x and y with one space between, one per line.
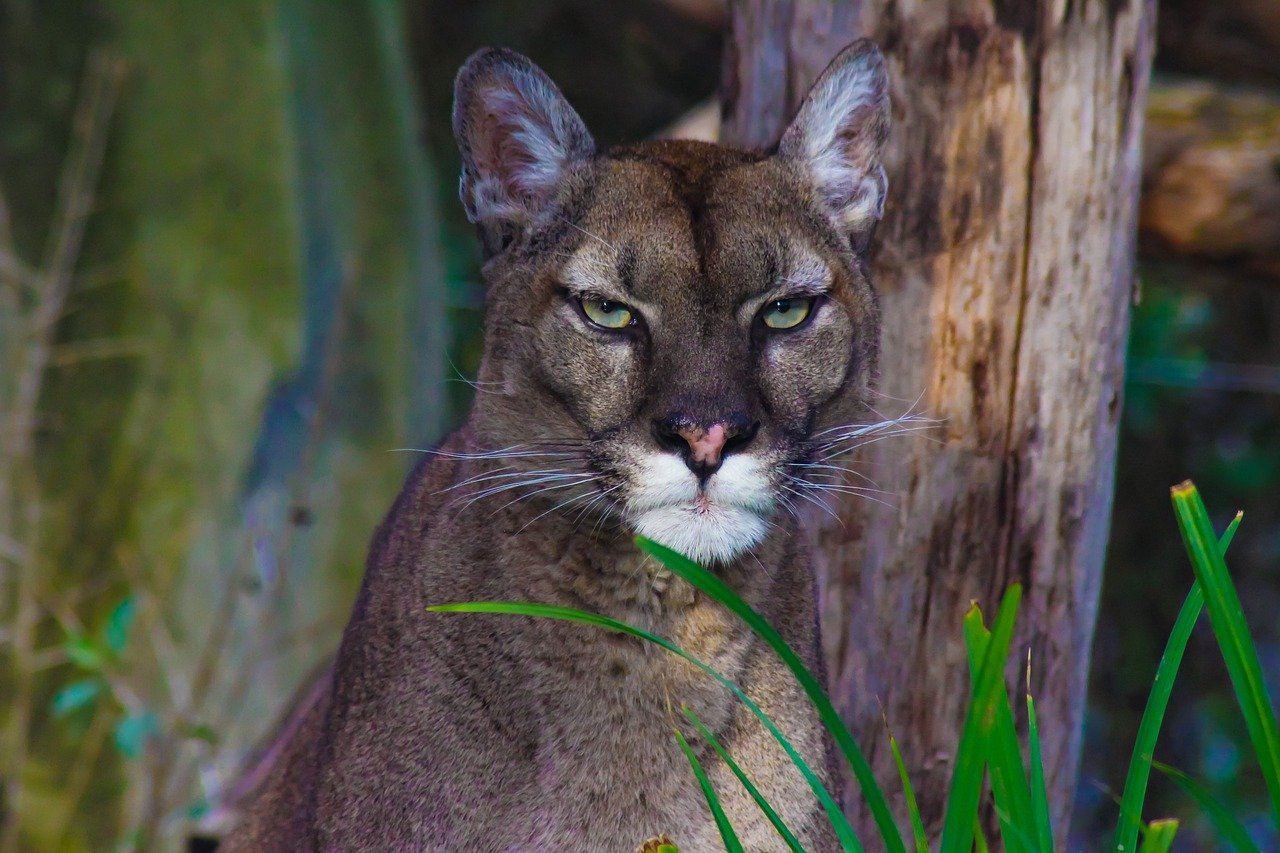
990 749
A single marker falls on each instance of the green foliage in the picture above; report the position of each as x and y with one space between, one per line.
1228 826
76 695
1135 784
1234 639
909 792
133 731
747 784
1158 837
719 591
257 315
1008 779
1039 794
83 652
844 832
119 624
979 742
730 838
989 746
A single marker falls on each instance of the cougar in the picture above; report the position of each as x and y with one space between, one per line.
678 334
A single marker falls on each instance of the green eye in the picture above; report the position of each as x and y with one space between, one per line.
786 313
606 313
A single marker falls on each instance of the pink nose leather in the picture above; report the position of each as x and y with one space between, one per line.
706 444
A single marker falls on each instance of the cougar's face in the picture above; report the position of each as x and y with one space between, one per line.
678 326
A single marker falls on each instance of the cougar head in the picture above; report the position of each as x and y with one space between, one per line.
674 329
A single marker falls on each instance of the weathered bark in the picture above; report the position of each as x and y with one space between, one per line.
1005 269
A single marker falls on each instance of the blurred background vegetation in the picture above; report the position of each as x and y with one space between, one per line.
236 290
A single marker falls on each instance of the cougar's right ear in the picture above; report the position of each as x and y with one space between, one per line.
518 137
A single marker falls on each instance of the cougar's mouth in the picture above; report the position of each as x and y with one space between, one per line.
709 521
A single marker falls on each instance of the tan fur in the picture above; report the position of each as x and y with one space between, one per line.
483 732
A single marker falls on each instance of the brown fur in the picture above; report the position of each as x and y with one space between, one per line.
481 732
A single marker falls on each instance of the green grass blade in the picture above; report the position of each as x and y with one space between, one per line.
1039 793
1004 753
727 835
1229 828
844 832
913 807
1224 541
718 590
1135 782
1158 837
750 787
971 755
1234 640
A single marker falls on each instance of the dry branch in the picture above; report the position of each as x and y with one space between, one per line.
30 340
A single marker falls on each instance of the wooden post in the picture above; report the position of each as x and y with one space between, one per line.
1005 270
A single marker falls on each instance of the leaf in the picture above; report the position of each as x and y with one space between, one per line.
1159 836
1229 827
1039 792
1004 753
750 787
1135 782
75 695
1234 640
730 838
83 652
971 757
718 590
844 832
119 624
200 731
132 733
913 807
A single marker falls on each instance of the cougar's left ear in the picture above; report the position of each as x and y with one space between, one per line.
518 137
837 136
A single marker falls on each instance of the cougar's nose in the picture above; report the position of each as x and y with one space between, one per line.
704 447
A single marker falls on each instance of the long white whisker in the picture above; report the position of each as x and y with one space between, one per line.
841 468
811 487
604 516
578 227
522 497
851 431
500 454
474 383
841 485
844 490
583 513
480 478
841 451
868 427
560 505
557 478
813 499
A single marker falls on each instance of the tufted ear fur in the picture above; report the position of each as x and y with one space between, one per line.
837 136
518 137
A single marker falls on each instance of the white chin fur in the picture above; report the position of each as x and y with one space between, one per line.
664 507
714 536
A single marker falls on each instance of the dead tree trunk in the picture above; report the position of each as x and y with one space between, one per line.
1005 269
